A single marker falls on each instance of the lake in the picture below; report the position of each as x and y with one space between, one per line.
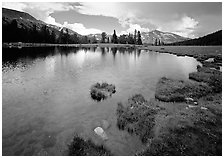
46 98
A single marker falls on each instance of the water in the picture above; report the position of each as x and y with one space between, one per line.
45 94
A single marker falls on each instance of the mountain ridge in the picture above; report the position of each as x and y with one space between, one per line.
214 38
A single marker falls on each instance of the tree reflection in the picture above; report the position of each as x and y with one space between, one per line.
114 51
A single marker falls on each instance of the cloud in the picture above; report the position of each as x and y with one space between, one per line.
81 29
133 27
129 16
186 26
15 6
134 18
42 11
51 20
115 10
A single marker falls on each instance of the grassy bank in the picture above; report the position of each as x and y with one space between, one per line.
169 90
210 76
81 147
201 53
180 130
16 44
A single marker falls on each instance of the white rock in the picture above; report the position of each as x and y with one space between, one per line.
210 60
189 99
100 132
192 106
204 108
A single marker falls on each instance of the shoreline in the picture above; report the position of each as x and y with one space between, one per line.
175 50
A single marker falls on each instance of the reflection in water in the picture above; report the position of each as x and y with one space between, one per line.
50 66
46 97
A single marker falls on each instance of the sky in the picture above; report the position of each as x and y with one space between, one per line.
188 19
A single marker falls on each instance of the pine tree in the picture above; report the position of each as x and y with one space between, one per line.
155 42
108 40
94 39
103 37
159 43
139 40
135 38
53 37
114 39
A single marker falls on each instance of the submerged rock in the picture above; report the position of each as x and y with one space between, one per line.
105 124
100 132
102 91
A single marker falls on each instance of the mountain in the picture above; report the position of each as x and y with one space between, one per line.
166 37
98 36
27 22
210 39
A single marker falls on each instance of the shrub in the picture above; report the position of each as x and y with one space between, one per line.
81 147
101 91
137 116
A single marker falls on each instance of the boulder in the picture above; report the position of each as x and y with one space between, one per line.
100 132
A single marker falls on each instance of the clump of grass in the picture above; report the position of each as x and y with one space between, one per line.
102 91
210 76
170 90
81 147
203 138
137 116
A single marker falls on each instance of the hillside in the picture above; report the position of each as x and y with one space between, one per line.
210 39
26 27
165 37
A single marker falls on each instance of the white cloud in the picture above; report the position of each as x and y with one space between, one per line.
129 18
132 28
115 10
183 27
81 29
42 11
51 20
15 6
133 19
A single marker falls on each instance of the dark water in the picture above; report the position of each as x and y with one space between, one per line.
45 94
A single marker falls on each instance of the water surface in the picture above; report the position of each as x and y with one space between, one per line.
45 94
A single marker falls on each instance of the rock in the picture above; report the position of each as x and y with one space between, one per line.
192 106
100 132
189 100
195 103
204 108
210 60
105 124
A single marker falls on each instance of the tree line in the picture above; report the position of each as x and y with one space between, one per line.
15 33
